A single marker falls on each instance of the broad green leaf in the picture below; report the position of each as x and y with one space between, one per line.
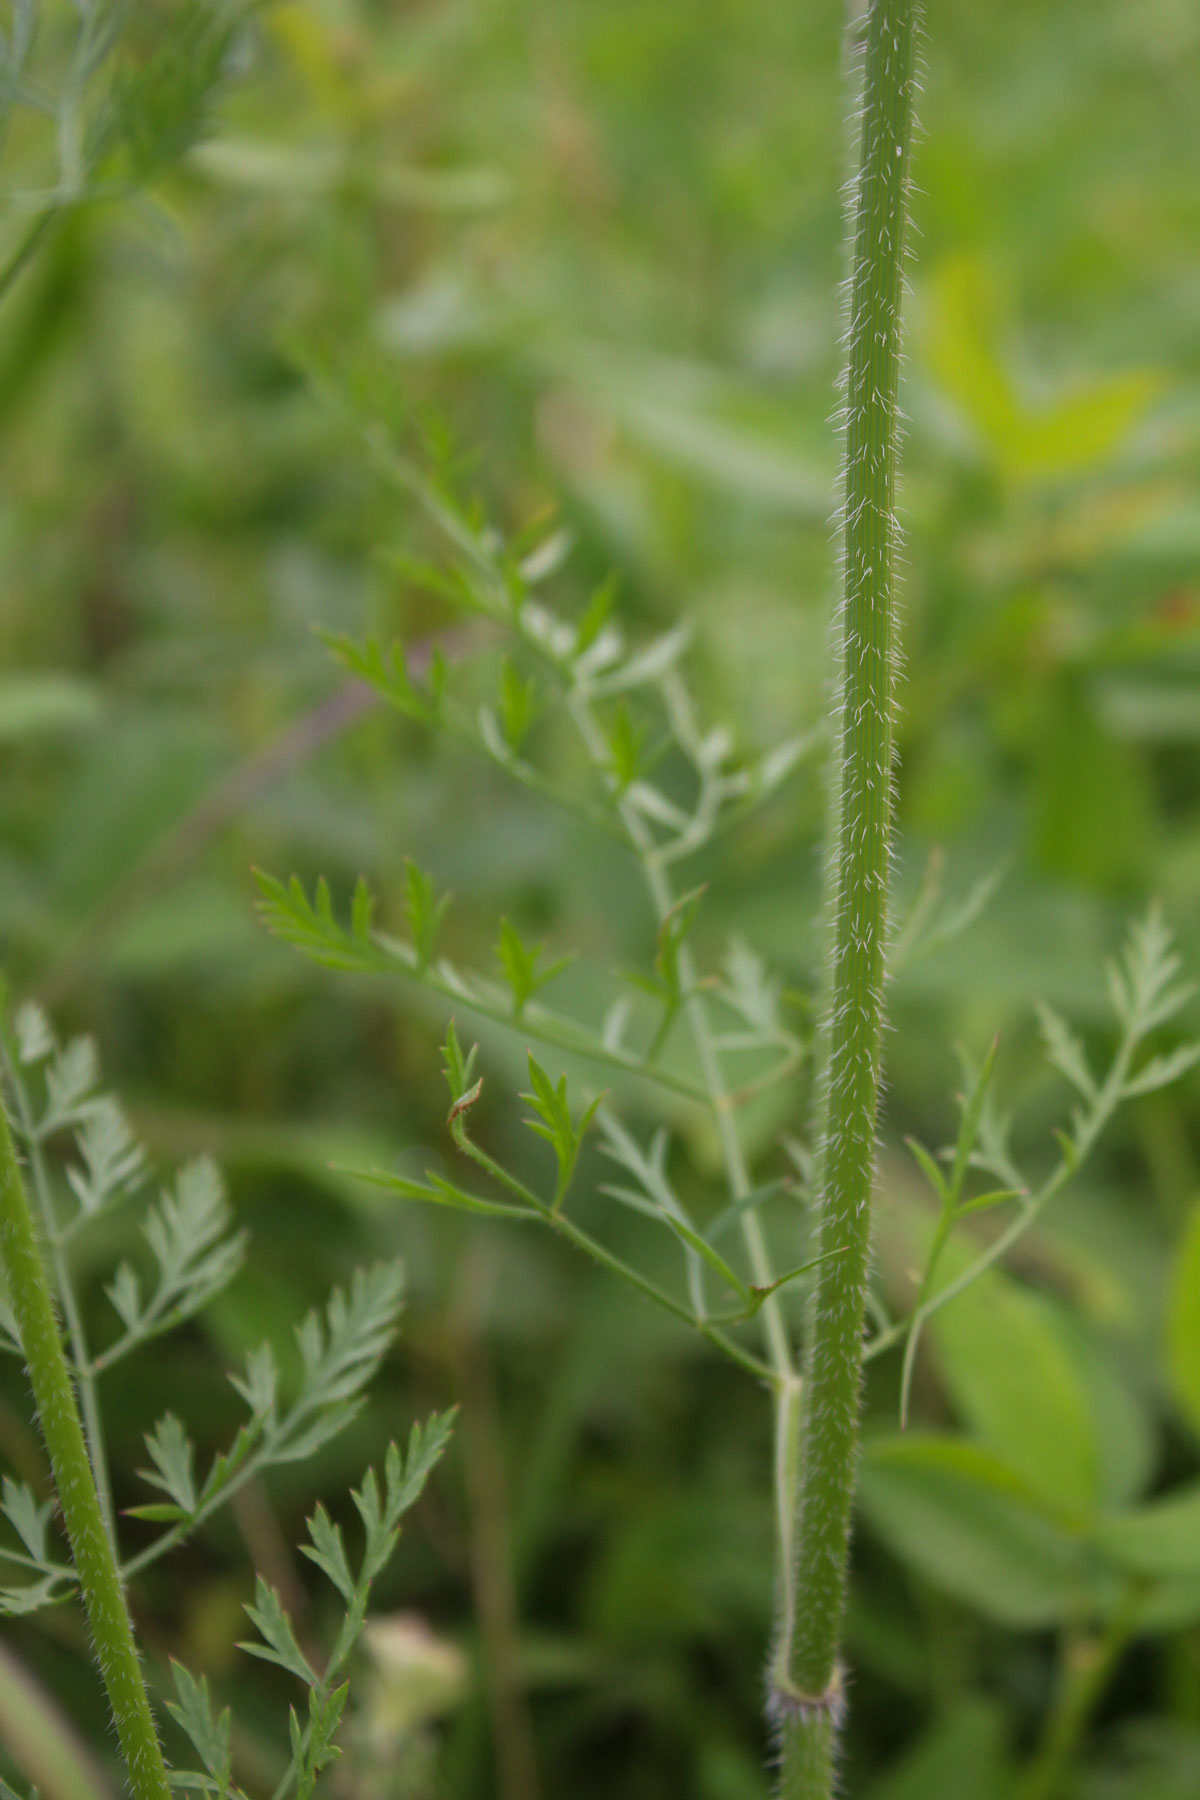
1171 1604
1014 1383
1183 1322
1162 1539
49 701
965 1520
1124 1429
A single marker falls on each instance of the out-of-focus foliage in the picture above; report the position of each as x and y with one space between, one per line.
598 246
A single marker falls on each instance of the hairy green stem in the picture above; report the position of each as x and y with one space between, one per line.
91 1547
808 1688
85 1371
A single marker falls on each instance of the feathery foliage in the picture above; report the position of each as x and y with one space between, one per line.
196 1252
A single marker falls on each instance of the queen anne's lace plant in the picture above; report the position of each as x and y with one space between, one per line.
690 1041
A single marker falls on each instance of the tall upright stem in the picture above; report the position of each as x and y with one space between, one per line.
91 1546
808 1697
89 1402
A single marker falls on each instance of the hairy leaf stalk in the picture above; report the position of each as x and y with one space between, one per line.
808 1687
91 1547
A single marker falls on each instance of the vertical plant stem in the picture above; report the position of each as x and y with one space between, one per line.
1087 1666
89 1399
91 1547
808 1695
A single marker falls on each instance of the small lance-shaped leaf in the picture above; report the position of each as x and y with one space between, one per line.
70 1082
173 1456
386 673
311 927
750 990
18 1602
665 983
341 1353
187 1231
648 666
1160 1071
314 1749
28 1518
1140 981
162 109
328 1550
425 910
992 1153
404 1481
518 705
113 1160
655 1197
595 618
260 1384
211 1738
682 1229
521 966
437 1191
626 749
279 1640
458 1069
35 1035
555 1125
972 1103
1065 1051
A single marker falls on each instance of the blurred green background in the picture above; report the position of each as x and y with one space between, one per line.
600 243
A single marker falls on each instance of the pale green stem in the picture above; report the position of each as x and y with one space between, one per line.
536 1021
785 1384
1087 1666
808 1693
718 1095
91 1547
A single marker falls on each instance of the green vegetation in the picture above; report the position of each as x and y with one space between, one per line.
416 326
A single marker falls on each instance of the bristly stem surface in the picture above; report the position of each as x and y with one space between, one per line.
808 1683
91 1546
